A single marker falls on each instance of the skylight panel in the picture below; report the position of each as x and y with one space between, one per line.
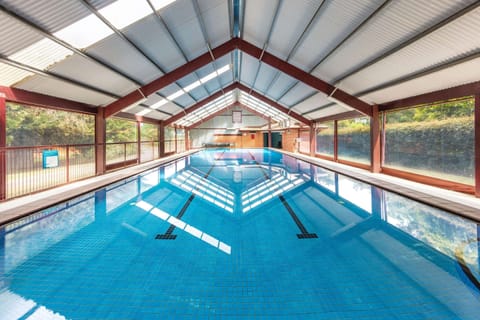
160 4
41 54
192 86
123 13
10 75
175 95
84 32
143 112
158 104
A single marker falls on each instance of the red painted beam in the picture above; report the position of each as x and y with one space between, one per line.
477 145
42 100
200 104
274 104
305 77
170 77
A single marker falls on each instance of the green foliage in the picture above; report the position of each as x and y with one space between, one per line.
446 110
121 130
30 126
149 132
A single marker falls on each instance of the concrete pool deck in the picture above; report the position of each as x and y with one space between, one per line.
461 204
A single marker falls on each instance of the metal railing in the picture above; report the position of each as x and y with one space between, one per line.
149 151
31 169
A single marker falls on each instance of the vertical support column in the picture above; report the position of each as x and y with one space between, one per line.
139 141
335 140
375 146
269 132
3 145
161 139
187 139
477 145
312 140
100 140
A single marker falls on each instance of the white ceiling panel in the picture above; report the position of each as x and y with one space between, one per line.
336 21
200 93
81 69
292 19
249 69
171 108
130 61
283 82
454 76
454 40
397 22
225 79
265 76
63 90
184 100
216 19
299 92
181 19
257 21
15 35
311 103
329 111
52 15
154 40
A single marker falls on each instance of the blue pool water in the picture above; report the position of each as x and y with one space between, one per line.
240 234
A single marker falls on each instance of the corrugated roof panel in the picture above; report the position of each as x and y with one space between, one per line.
101 3
464 73
329 111
61 89
265 76
337 19
397 22
169 90
451 42
130 61
41 54
298 93
78 67
226 78
184 100
258 18
171 108
50 14
10 75
249 69
292 19
217 23
311 103
200 93
154 40
283 82
15 35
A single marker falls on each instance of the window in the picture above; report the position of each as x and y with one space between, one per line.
354 140
33 126
325 138
433 140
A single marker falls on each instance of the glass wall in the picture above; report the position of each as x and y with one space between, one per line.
354 140
304 142
180 140
149 142
121 138
169 139
325 138
433 140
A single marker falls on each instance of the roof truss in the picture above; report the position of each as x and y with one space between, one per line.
250 49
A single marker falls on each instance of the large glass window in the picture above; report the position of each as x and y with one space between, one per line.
149 142
325 138
354 140
304 142
169 139
180 140
34 126
433 140
121 141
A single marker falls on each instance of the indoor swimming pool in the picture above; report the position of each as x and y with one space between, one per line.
246 233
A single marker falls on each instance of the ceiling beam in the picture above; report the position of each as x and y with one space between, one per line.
305 77
200 104
340 116
170 77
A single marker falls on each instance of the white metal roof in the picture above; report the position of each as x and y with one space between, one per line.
376 50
